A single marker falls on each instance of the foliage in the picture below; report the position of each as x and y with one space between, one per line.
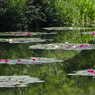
76 12
24 14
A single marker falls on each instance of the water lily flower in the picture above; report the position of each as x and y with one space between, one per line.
66 42
14 33
6 60
19 60
93 33
71 28
1 60
56 46
34 59
28 34
91 71
81 45
10 40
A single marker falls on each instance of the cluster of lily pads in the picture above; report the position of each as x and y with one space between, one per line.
64 46
22 81
23 40
65 28
70 46
92 33
23 33
87 72
30 60
17 81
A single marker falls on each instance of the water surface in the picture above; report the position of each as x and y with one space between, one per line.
54 74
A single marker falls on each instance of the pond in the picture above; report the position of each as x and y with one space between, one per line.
36 71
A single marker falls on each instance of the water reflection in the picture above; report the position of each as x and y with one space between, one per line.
55 75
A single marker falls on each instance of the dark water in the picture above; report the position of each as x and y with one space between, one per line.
54 74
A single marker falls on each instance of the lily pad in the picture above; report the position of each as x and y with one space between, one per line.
23 33
92 24
17 81
23 40
65 28
88 72
64 46
30 60
92 33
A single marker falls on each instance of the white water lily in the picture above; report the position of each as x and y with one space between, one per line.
71 28
66 42
56 46
74 46
10 40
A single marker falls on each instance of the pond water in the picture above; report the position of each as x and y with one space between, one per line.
54 74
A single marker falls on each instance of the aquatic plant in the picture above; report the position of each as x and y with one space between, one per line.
64 46
17 81
66 28
92 33
24 33
23 40
30 60
87 72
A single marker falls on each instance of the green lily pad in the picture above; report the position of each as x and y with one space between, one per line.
30 60
64 46
65 28
92 33
24 33
17 81
92 24
23 40
87 72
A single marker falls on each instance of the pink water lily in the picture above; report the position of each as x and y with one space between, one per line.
34 59
6 60
22 33
14 33
93 33
28 34
81 45
1 60
91 71
19 60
